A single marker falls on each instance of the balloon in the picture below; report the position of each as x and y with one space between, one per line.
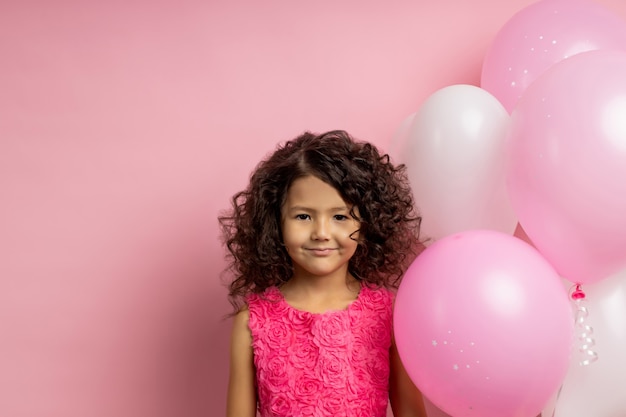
432 410
597 389
483 326
542 34
567 173
456 163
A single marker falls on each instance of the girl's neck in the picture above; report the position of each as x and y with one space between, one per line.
316 294
322 284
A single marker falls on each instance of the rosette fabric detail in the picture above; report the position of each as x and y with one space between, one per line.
330 364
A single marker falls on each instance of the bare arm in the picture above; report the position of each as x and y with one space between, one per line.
406 400
241 401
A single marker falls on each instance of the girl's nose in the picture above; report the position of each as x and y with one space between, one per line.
321 230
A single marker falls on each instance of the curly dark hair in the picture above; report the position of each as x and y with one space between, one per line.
365 179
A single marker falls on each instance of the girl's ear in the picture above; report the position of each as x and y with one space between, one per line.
358 236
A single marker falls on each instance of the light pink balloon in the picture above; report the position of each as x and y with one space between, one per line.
567 178
542 34
483 326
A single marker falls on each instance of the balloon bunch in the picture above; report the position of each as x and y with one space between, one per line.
483 321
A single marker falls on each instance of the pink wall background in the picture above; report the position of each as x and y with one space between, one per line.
124 129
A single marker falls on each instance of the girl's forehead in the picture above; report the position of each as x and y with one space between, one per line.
310 185
313 191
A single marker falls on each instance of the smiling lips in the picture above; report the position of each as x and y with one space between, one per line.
320 251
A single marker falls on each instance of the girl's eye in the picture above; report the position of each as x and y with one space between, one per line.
302 217
340 217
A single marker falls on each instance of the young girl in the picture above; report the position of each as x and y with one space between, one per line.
324 229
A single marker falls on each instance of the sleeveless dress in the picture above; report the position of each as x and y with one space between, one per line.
330 364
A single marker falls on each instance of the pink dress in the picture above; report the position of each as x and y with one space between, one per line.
330 364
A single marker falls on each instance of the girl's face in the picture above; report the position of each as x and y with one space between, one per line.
318 231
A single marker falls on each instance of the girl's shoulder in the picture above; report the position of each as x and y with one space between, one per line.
271 294
376 298
264 305
240 330
377 291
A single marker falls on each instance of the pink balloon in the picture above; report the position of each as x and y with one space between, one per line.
567 176
542 34
483 326
432 410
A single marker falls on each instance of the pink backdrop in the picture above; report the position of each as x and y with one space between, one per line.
124 129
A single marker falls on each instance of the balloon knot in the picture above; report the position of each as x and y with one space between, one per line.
578 293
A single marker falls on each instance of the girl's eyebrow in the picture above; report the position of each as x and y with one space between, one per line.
303 208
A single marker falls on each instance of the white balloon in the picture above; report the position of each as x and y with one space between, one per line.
599 388
456 160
